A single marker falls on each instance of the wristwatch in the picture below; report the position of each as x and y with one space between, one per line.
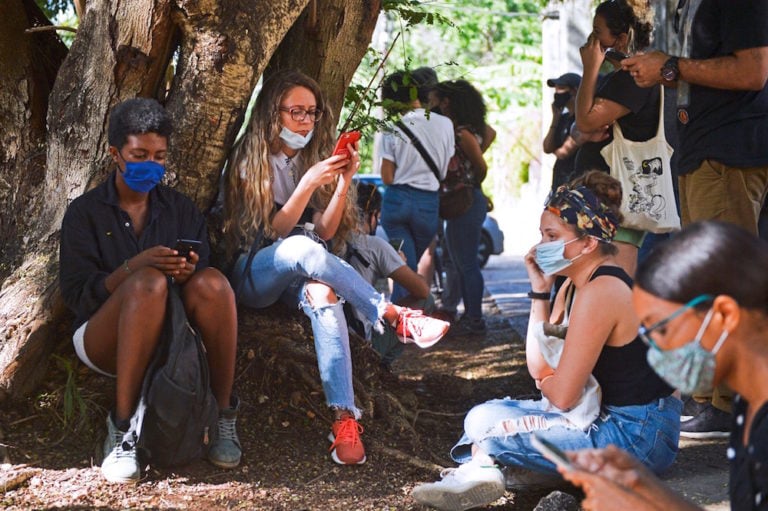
670 72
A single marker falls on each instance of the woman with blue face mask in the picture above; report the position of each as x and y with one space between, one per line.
600 346
285 196
702 299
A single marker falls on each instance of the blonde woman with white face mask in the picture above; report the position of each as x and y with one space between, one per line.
702 298
284 197
635 408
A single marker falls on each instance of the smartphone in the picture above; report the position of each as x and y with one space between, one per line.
552 453
397 243
348 137
616 55
184 247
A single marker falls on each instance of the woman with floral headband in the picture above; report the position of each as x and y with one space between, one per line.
593 312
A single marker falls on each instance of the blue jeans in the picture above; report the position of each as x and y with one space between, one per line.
281 271
649 432
462 235
411 215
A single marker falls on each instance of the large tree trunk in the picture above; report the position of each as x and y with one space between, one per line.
331 37
117 54
223 52
122 50
29 63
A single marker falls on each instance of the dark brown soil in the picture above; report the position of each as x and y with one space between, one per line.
414 415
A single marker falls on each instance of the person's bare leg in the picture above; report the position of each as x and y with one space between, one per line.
210 305
426 265
122 335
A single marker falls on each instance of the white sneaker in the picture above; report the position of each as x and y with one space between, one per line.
465 487
121 462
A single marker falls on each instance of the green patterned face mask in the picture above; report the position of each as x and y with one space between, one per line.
689 368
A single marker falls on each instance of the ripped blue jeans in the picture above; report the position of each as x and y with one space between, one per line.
282 271
649 432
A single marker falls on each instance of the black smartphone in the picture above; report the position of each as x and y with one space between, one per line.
551 452
184 247
616 55
397 243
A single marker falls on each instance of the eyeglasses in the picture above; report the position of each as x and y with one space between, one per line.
645 332
299 114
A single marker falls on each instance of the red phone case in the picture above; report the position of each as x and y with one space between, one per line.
349 137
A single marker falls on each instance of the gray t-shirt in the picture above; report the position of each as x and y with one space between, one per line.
381 258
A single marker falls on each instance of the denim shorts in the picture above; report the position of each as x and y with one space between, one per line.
649 432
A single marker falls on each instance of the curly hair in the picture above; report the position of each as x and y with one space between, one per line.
608 190
466 104
631 17
248 198
135 117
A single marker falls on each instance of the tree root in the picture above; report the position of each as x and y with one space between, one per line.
12 477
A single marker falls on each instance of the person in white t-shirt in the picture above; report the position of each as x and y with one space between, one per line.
410 207
376 258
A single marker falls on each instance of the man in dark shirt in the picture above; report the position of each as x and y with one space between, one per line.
721 78
116 264
558 140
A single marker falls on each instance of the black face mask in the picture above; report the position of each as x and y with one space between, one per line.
561 99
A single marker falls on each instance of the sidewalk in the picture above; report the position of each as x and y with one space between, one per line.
700 472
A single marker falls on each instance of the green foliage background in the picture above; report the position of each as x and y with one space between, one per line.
494 44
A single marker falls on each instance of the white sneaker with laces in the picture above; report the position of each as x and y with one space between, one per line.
465 487
424 331
121 462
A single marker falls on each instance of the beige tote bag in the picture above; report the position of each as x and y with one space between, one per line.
645 174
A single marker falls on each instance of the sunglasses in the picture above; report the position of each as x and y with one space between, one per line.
645 332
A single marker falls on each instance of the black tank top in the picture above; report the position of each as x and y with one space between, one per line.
623 371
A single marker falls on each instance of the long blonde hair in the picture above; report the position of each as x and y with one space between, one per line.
248 198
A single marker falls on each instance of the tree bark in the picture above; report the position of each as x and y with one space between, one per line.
29 63
328 42
123 50
119 52
225 46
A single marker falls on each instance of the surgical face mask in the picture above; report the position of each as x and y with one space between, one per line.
142 176
561 99
550 256
295 140
689 368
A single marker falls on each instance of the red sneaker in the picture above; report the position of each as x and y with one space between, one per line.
347 448
424 331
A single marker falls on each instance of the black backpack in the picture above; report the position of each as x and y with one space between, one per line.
177 412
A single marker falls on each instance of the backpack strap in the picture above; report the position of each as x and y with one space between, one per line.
420 148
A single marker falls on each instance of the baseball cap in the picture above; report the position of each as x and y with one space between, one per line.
567 80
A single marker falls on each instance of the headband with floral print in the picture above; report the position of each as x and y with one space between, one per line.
580 207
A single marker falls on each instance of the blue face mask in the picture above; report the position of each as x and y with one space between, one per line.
295 140
550 256
142 176
689 368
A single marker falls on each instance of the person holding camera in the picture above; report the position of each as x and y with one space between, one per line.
558 140
116 262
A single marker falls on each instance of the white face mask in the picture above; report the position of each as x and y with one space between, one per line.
294 140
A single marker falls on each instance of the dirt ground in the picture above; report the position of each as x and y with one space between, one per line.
286 464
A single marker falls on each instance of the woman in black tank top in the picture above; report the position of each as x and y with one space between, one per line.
593 312
703 301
